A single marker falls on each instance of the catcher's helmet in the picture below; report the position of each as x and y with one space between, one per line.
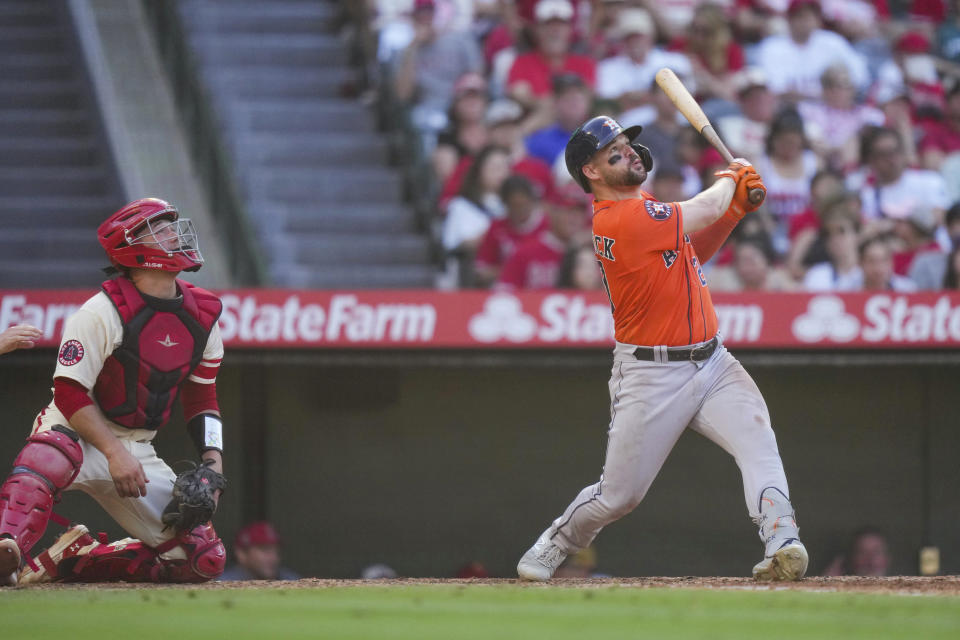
118 237
594 135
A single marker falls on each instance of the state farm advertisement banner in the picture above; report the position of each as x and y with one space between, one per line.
414 319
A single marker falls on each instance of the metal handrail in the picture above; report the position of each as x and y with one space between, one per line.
213 163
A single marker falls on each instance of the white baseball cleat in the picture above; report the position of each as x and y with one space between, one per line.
787 563
9 562
540 561
75 541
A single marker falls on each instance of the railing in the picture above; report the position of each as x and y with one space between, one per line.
213 163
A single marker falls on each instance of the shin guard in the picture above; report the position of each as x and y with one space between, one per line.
47 465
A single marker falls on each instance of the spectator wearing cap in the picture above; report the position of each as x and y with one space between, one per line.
877 267
536 263
889 189
571 107
257 551
627 78
833 121
524 220
530 76
713 52
794 62
428 70
467 131
746 132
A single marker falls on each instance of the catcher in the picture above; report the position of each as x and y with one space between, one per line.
126 355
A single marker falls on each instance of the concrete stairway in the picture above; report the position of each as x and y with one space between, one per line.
312 168
57 180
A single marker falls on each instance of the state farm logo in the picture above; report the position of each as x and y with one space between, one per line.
826 318
560 318
344 318
502 317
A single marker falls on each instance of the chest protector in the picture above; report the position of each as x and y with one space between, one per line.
163 342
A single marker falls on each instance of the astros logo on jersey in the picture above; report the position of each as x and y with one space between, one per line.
658 210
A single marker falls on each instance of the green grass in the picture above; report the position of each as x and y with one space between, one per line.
466 612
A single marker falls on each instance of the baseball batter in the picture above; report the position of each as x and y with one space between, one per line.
670 370
125 356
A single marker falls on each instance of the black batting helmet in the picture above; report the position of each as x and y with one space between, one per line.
593 135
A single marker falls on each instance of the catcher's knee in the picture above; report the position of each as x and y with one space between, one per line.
48 463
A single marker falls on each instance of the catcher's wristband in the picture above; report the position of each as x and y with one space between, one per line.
206 430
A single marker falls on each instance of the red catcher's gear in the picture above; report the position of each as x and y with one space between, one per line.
118 237
163 342
133 561
48 463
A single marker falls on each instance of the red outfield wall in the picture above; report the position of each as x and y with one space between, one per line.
274 318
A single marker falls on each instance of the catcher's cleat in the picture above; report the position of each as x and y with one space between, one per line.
9 562
76 541
541 560
789 562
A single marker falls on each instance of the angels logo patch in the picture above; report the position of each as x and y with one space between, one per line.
70 353
658 210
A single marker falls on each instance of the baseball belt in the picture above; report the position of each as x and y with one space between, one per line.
694 353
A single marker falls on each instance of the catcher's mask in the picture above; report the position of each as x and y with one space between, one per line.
150 234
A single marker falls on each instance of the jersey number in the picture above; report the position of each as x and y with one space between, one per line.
696 266
606 286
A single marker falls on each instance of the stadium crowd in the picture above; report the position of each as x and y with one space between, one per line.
849 109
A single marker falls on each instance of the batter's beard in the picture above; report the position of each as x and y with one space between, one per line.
631 178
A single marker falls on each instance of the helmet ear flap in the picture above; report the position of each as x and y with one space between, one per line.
645 156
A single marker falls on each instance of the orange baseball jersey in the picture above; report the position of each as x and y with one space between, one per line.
658 293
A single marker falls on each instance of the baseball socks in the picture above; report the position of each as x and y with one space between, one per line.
541 560
785 557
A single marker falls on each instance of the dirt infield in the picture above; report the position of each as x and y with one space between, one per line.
938 585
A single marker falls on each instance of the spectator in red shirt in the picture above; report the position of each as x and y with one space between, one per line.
524 220
536 263
530 79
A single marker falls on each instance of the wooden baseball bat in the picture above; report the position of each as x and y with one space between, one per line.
678 94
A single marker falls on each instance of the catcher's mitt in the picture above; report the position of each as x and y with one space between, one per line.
193 502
